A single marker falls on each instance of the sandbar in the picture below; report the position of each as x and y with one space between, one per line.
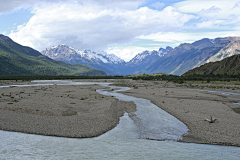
80 112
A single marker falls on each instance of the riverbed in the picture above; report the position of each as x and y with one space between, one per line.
129 140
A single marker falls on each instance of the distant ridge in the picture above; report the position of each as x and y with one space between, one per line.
190 55
175 61
141 61
64 52
98 60
16 59
109 63
227 66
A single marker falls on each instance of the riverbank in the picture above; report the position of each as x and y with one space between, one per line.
79 111
192 107
58 110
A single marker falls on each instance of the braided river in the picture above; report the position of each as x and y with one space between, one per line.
130 139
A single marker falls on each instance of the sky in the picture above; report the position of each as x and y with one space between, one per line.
121 27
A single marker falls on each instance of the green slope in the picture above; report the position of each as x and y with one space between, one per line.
20 60
228 66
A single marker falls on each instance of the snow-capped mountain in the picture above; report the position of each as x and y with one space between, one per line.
100 60
16 59
170 61
67 53
109 63
190 55
103 56
144 59
150 55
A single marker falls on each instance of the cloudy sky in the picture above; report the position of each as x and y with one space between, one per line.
122 27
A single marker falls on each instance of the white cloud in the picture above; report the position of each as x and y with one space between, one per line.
14 4
11 5
98 24
234 19
195 6
205 24
213 9
125 52
218 9
176 38
212 14
94 26
237 5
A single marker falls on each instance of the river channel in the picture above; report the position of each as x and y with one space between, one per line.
129 140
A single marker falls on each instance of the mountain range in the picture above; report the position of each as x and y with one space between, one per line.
16 59
187 56
170 61
109 63
101 60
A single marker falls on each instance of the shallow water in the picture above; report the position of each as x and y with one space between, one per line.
25 146
126 141
151 121
226 93
221 92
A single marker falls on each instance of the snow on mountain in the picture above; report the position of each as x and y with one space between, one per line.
212 40
141 56
103 56
64 51
175 61
109 63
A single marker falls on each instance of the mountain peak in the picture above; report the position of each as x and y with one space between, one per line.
168 49
59 46
231 49
203 43
4 38
68 53
150 54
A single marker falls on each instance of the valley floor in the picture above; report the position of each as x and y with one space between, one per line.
79 111
192 106
64 111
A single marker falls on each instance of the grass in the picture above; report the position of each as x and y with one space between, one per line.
211 85
215 82
20 60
